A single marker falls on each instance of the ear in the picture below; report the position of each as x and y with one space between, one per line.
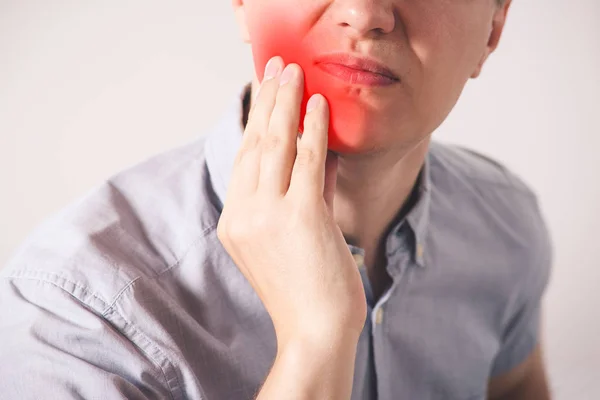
240 17
498 23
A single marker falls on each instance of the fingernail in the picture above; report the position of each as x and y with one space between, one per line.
313 102
286 76
272 69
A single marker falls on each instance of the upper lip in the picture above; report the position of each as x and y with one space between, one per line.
358 63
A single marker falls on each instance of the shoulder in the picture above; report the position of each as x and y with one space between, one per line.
480 184
479 199
474 168
137 224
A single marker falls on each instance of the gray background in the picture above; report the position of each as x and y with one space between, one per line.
90 87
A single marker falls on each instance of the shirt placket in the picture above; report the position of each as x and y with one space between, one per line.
399 259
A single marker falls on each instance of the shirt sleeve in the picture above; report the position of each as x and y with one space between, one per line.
53 346
519 340
522 325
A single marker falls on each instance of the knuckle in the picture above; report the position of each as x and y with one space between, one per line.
262 224
298 214
251 225
313 122
305 157
246 230
237 232
241 155
251 143
252 140
303 209
271 143
257 123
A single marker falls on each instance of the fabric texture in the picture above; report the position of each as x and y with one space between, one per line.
128 293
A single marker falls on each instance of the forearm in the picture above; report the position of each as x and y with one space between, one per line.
305 371
535 388
527 381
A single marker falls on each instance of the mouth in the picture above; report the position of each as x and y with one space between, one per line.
357 70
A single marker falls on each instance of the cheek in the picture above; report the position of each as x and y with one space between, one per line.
349 118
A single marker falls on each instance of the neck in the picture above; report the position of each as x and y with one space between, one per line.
373 192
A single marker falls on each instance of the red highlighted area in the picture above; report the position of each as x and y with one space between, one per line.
353 86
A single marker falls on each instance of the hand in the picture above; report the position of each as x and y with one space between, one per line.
277 223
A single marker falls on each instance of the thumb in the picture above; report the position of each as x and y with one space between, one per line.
331 164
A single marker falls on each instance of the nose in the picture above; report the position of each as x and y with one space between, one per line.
365 17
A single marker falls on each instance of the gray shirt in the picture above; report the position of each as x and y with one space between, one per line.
128 293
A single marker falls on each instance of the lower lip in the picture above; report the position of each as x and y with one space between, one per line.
356 76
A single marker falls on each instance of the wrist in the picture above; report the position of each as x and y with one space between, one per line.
319 331
312 368
322 343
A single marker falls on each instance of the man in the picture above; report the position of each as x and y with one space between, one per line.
255 263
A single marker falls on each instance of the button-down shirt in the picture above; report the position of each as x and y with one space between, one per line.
128 293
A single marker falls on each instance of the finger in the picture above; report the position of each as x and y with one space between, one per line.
246 169
260 113
331 164
308 173
279 145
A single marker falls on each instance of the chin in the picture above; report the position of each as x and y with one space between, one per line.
357 128
349 136
372 136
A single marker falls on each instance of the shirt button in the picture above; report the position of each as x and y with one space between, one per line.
379 316
420 251
359 259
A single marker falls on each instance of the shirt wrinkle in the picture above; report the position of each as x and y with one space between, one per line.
470 262
165 365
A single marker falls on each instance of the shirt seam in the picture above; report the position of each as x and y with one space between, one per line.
118 295
44 278
178 261
54 279
169 372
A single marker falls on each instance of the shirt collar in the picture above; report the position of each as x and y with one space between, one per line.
222 145
225 139
418 216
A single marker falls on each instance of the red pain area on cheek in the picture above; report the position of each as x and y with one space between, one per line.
349 115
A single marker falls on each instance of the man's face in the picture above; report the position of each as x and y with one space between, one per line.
430 48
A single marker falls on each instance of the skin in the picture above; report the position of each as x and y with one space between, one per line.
434 46
389 134
280 203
